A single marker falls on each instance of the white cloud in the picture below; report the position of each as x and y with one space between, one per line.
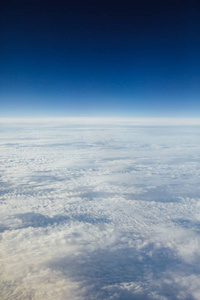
92 209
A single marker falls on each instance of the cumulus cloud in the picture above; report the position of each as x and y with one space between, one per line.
99 209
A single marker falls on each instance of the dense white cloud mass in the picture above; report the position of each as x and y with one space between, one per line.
91 210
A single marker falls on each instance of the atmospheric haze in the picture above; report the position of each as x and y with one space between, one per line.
99 209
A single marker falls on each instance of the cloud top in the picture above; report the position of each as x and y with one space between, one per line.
99 211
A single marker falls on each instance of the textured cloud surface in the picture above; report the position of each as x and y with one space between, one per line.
93 210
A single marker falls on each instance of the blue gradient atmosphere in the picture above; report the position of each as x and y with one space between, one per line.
100 58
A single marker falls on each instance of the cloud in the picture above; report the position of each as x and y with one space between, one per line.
99 210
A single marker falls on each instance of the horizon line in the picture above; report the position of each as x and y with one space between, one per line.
106 120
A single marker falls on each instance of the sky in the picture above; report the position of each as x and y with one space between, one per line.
100 58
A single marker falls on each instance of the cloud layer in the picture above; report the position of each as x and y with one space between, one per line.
99 211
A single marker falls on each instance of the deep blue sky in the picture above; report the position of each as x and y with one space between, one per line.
100 58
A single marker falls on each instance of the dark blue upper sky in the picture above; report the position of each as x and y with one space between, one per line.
100 58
